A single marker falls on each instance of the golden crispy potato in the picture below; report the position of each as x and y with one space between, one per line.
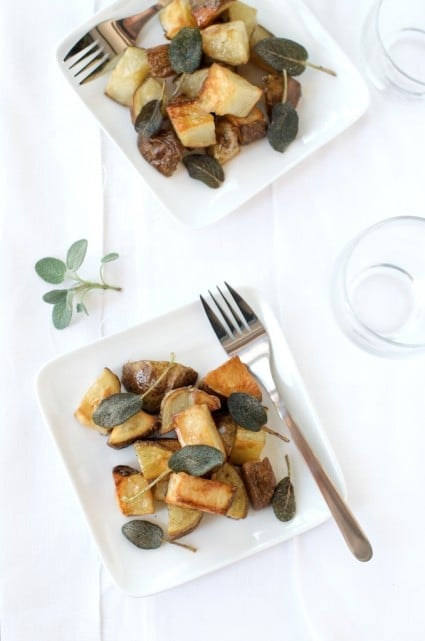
130 71
241 11
105 385
153 456
199 493
138 426
180 399
194 126
129 482
181 521
231 376
176 15
226 42
247 445
225 92
227 473
195 426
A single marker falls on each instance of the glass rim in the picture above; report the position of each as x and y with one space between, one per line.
387 55
363 330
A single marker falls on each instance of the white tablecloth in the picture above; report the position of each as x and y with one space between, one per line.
62 179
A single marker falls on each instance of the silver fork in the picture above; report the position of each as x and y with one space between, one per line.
97 49
241 333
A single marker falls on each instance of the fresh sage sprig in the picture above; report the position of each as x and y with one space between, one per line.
56 271
283 501
148 536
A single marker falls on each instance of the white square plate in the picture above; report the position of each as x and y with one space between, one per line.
328 106
89 461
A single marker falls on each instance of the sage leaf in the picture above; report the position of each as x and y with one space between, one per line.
283 500
196 460
110 257
149 120
61 314
51 270
81 308
185 51
204 168
55 296
76 254
116 409
143 534
247 411
282 53
283 127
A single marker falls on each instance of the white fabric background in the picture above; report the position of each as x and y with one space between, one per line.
62 179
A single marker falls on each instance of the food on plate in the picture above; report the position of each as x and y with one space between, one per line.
260 482
212 65
154 378
129 483
193 454
105 385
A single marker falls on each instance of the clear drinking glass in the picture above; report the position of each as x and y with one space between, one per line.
380 287
394 46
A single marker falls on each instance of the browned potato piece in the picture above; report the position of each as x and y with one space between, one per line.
176 15
150 89
252 127
138 426
247 445
207 11
226 92
231 376
227 143
105 385
226 42
273 91
226 427
128 483
163 151
153 456
159 61
195 426
199 493
140 376
240 504
181 521
194 126
180 399
260 482
248 14
130 71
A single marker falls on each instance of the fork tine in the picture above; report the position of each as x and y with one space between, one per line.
246 311
83 54
82 43
217 326
100 57
223 313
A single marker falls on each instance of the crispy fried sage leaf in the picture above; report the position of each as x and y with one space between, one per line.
283 127
143 534
117 408
204 168
196 460
283 500
282 53
185 51
149 120
247 411
148 536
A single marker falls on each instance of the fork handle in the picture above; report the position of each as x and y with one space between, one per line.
347 523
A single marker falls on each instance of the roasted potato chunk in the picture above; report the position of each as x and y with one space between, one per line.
260 482
240 504
191 83
159 61
247 445
105 385
130 71
194 126
198 493
252 127
195 426
129 482
150 89
246 13
227 42
138 426
159 377
273 91
231 376
181 521
227 143
153 456
225 92
180 399
207 11
176 15
163 151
